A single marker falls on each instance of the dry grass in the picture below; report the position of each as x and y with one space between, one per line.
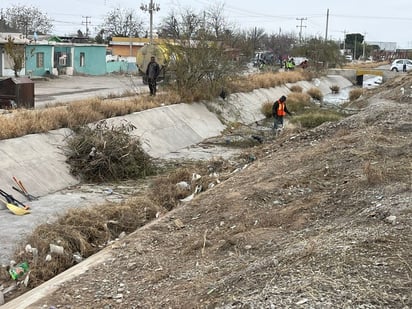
82 232
364 65
334 88
268 80
22 122
315 93
298 102
296 88
355 94
266 109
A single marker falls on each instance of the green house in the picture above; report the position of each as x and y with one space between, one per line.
57 58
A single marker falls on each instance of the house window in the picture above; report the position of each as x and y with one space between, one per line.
82 59
63 60
39 60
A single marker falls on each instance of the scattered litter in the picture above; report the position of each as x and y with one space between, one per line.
77 257
26 280
183 185
179 223
18 270
302 301
56 249
188 198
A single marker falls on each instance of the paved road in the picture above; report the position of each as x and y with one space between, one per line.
64 89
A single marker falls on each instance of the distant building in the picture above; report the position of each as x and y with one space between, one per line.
386 46
6 63
51 57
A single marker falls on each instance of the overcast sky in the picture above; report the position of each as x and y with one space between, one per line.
379 21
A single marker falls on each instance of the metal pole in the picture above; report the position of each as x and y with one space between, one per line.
130 35
327 25
152 7
151 21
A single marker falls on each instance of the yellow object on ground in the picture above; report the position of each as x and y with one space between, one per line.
19 211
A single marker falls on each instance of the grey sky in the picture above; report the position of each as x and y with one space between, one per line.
379 21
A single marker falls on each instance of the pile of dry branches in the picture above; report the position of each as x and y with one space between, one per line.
107 153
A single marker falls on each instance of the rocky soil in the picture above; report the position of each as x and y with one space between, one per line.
321 219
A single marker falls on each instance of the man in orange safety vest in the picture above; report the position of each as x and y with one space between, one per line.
279 110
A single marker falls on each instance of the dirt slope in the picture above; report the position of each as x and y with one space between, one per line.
321 219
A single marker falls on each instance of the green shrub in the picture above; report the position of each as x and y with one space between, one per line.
316 118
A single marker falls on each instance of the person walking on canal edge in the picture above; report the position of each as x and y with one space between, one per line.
152 72
279 110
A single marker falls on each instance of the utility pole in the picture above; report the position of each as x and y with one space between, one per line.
327 25
87 23
344 41
130 34
301 26
150 8
354 50
364 48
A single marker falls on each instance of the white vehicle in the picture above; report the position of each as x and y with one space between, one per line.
401 65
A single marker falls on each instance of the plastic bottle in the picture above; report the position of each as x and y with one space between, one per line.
19 270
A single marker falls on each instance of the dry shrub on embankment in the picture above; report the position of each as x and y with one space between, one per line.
106 152
81 233
23 122
268 80
355 94
315 94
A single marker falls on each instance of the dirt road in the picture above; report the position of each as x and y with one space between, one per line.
64 89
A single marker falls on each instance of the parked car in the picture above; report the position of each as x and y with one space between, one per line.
398 65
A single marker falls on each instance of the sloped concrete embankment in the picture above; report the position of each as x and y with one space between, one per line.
38 159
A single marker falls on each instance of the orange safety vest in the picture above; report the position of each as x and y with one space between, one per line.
281 109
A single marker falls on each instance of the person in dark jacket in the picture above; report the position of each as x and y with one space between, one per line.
152 72
279 110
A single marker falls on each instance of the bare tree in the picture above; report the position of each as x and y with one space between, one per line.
191 23
215 20
255 37
16 54
122 23
170 27
28 19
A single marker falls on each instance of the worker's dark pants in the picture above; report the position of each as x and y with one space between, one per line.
278 122
152 85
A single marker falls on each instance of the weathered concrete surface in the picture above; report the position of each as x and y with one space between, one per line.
38 160
351 74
